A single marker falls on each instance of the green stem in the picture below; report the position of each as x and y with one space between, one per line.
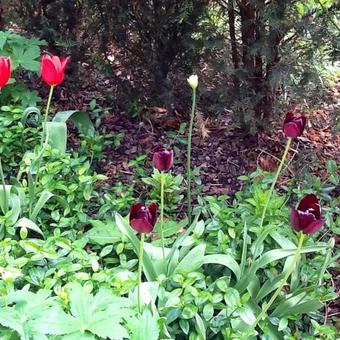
4 188
288 273
162 213
279 169
140 266
46 114
188 174
43 135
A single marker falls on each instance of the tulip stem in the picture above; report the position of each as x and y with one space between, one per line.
140 266
2 176
162 213
43 135
46 114
279 289
279 169
188 174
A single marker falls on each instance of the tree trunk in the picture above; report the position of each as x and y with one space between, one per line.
233 42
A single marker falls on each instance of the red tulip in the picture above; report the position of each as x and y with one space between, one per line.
307 216
52 69
5 70
143 218
293 126
163 159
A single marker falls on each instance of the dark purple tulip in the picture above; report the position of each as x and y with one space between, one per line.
307 216
163 159
143 218
293 126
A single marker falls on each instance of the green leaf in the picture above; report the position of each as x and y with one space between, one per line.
57 135
299 304
10 318
143 327
103 233
126 230
200 327
26 223
56 322
80 119
224 260
103 325
192 261
44 197
246 315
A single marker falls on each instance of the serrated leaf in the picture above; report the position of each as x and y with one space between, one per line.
143 327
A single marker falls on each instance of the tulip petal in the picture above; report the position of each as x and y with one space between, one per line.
309 201
313 227
141 225
5 70
303 121
294 219
289 117
64 62
48 71
291 130
53 69
153 211
134 210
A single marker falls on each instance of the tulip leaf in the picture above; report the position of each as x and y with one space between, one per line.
57 135
271 256
126 230
80 119
296 305
172 257
26 223
192 261
224 260
44 197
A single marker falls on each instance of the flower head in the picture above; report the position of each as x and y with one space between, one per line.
143 218
293 126
5 70
193 81
307 216
163 159
52 69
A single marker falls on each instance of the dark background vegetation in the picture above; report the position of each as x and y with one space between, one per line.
255 58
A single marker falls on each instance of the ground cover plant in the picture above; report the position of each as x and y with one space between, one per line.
83 259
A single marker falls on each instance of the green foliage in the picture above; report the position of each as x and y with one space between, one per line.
172 189
25 55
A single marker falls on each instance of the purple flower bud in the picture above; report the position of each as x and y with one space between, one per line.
163 159
293 126
143 218
307 216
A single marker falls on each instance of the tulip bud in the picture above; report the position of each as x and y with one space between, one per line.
163 159
5 70
293 126
193 81
143 218
52 69
307 217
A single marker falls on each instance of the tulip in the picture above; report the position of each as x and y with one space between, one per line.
52 69
5 70
293 126
193 81
143 218
307 217
163 159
